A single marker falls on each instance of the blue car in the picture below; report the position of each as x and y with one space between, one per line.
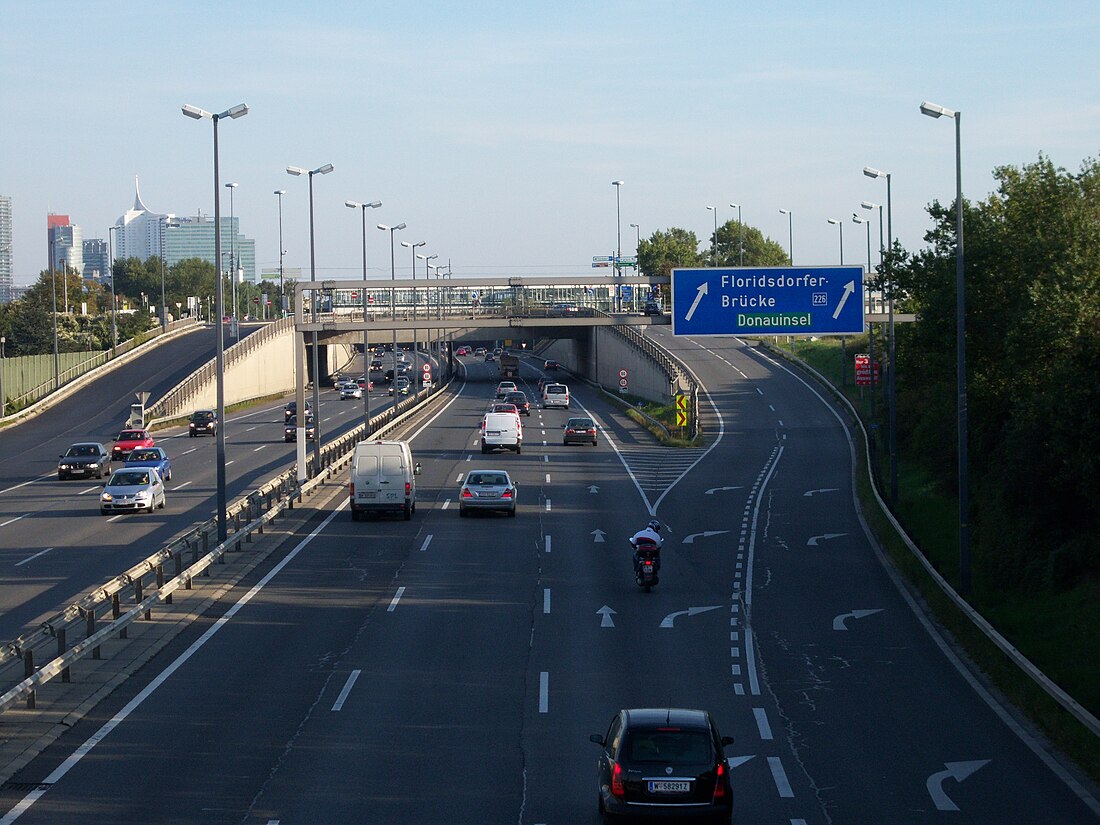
151 457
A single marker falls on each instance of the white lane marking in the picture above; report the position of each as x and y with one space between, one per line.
259 448
544 692
42 553
545 599
468 457
346 690
396 598
780 422
112 518
780 776
32 481
84 492
188 452
229 462
181 486
762 723
71 761
548 505
798 822
548 478
770 407
759 390
446 504
543 432
459 478
250 429
546 458
544 442
548 544
427 541
12 521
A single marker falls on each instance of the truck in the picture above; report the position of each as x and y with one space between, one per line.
509 366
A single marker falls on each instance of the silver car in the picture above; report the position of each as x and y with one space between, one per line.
132 489
488 490
350 389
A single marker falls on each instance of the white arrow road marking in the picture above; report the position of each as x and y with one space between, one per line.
737 761
849 288
822 490
606 613
703 289
838 622
599 534
593 489
714 490
706 534
955 770
826 536
691 611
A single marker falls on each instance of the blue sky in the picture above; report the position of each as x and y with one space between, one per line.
494 129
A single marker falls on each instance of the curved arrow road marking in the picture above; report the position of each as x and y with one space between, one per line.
691 611
955 770
606 613
822 490
703 289
838 622
714 490
705 534
813 540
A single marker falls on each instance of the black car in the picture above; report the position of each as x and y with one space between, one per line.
652 308
203 422
290 429
519 398
84 460
665 762
291 410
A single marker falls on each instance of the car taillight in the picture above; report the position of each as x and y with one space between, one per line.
408 488
506 494
719 785
466 493
591 430
617 788
351 489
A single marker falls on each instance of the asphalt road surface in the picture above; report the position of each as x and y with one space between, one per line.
452 670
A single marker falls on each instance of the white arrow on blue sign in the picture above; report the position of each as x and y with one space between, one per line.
822 300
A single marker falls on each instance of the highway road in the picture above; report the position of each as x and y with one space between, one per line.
55 546
444 669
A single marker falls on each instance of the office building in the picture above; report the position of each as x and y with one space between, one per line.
7 251
194 238
65 249
97 261
140 232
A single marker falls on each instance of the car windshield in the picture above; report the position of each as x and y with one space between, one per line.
131 435
121 479
82 449
202 416
488 480
668 746
145 455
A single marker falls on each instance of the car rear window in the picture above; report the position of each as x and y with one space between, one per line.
131 435
668 747
144 455
556 389
488 479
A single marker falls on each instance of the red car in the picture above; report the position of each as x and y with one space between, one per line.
129 440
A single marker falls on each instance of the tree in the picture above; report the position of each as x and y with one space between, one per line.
759 251
662 251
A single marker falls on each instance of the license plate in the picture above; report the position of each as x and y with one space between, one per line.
487 495
368 495
492 432
669 786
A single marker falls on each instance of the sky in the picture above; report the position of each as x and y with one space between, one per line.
494 129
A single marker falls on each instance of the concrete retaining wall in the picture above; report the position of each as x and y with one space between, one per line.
606 352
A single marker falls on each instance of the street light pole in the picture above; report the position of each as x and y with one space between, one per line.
363 207
618 247
114 303
53 291
393 291
412 248
790 233
297 171
233 263
840 225
714 241
932 110
740 235
282 252
235 112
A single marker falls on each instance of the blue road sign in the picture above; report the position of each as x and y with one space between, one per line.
628 292
810 300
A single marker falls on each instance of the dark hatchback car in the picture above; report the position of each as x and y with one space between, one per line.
203 422
664 762
519 398
290 429
84 460
579 431
291 410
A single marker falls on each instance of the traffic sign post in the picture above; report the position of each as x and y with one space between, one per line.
826 300
681 411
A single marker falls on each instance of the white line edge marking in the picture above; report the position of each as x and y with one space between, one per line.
32 558
393 604
782 784
12 521
343 697
262 446
71 761
544 695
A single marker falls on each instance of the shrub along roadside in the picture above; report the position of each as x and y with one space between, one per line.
1058 631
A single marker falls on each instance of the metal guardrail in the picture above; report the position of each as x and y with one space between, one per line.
99 359
249 515
177 398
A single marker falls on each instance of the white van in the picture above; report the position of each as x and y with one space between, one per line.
383 479
555 395
501 430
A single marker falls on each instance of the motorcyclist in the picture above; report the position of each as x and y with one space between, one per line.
651 534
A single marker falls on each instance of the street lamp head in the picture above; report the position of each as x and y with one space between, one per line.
712 208
297 171
195 112
633 226
616 183
400 226
408 244
352 204
279 192
324 170
374 204
833 221
735 206
240 110
784 211
869 205
871 172
934 110
233 185
857 219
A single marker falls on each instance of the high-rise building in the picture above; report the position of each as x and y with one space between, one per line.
7 252
140 232
194 238
64 245
97 261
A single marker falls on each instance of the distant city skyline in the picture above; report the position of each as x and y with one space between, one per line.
494 130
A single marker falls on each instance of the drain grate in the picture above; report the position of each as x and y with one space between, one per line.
26 787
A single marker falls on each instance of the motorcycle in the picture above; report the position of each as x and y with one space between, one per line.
647 563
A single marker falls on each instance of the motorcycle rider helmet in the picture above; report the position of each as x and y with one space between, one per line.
654 525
